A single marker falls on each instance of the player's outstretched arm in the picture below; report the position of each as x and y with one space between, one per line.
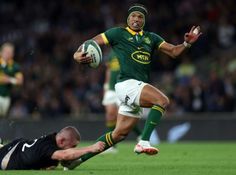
189 38
82 57
74 153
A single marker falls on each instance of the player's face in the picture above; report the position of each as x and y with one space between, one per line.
136 21
7 52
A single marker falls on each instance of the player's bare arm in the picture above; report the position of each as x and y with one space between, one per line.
74 153
82 57
4 79
16 80
189 38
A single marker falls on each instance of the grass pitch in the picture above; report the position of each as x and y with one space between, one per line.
185 158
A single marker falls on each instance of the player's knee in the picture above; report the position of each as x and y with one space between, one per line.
163 101
166 101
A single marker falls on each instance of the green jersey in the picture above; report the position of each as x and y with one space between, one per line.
134 51
11 70
114 68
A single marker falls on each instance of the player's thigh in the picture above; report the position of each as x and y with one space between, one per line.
124 125
111 112
152 96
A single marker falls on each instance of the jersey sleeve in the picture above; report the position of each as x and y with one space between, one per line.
111 36
158 41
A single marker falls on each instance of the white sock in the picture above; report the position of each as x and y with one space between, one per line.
144 143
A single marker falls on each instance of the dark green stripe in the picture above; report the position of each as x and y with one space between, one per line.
98 48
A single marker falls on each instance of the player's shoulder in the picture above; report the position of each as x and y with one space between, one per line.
151 33
46 141
154 36
50 136
16 66
117 29
114 34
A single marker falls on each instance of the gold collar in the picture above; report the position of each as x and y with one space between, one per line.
1 61
132 32
9 63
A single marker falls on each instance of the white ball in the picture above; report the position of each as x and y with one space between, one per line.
196 31
94 51
65 169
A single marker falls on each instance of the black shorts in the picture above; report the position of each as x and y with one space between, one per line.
5 149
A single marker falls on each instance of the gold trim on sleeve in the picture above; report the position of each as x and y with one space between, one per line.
161 44
104 38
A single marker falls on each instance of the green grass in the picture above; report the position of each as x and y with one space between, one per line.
186 158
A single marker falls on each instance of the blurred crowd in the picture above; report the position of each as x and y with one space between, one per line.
46 34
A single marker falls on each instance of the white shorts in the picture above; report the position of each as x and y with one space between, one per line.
110 98
4 105
129 93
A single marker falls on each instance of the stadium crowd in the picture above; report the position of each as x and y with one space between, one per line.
46 33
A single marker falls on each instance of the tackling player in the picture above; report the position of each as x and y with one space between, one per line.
10 75
44 152
134 48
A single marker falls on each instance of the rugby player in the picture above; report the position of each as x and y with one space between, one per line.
134 48
10 75
44 152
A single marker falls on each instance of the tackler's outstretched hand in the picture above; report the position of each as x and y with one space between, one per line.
193 35
81 57
97 147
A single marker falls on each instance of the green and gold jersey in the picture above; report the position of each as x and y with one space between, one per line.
11 70
134 51
114 68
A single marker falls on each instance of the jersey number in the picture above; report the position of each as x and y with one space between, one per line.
28 145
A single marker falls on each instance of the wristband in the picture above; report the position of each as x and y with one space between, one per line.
186 44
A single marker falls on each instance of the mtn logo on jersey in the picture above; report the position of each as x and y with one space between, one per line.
141 57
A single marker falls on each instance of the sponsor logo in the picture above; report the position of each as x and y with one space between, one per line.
141 57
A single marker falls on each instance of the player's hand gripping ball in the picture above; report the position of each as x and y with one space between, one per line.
89 53
92 50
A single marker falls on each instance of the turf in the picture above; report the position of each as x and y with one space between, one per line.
187 158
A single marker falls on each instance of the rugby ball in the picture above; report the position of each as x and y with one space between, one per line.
196 30
94 51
